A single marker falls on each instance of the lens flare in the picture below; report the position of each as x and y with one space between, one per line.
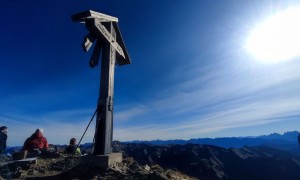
278 38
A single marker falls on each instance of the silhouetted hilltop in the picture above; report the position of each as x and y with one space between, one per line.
288 136
287 141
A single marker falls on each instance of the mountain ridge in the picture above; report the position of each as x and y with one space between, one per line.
208 162
287 141
289 136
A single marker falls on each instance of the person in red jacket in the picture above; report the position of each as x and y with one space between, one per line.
36 142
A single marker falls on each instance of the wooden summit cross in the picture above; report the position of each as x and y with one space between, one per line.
105 31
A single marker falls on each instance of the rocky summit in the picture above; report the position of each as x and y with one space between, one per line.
64 167
144 161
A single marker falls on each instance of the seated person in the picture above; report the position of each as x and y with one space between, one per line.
36 142
72 148
3 138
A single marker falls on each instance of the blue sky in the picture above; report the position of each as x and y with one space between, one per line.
190 76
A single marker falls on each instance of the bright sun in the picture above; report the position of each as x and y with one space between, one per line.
277 38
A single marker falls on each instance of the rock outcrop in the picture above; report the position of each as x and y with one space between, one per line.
66 168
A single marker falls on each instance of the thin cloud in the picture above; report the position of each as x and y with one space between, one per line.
235 113
250 115
130 113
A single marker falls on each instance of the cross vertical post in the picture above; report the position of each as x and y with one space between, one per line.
104 29
104 127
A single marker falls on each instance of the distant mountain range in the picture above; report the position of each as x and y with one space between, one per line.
287 141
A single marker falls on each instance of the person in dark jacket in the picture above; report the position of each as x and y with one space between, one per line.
36 141
72 148
3 138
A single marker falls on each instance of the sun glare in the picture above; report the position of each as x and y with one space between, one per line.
277 38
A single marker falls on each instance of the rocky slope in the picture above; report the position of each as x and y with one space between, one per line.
211 162
53 168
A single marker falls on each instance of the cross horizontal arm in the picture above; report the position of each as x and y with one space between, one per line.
99 29
96 23
83 16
